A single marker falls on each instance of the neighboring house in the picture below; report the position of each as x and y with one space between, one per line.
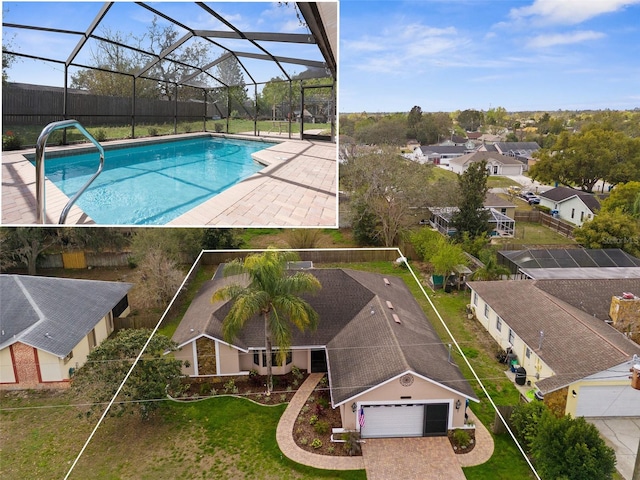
50 325
567 263
488 138
521 151
381 354
560 332
571 205
501 225
437 154
459 142
498 203
497 164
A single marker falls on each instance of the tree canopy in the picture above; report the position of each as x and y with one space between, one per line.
471 216
470 119
273 293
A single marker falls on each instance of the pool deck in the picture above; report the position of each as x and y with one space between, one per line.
297 188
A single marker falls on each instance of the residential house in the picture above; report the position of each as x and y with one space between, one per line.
382 356
560 333
50 325
571 205
521 151
437 154
497 164
505 207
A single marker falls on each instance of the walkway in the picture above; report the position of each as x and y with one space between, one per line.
297 188
284 434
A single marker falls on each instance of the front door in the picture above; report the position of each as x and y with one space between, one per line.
318 361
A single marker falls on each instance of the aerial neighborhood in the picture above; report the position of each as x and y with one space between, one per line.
221 259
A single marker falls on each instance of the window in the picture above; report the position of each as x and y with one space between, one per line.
256 358
110 321
527 353
475 298
511 336
581 216
495 169
92 339
503 211
498 323
486 310
274 359
68 357
573 212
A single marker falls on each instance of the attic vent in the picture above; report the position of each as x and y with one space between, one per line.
389 304
396 318
386 281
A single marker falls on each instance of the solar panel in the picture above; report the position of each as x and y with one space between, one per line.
601 258
620 258
582 258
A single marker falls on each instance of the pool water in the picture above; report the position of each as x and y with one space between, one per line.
152 184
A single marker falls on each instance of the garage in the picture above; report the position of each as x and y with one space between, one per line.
404 420
608 401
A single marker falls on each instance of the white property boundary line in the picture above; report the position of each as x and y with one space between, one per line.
196 264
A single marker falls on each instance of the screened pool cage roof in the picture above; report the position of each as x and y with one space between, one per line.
261 55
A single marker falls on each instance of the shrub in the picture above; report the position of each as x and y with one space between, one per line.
321 427
295 383
351 443
313 420
230 386
303 237
283 397
316 443
331 449
524 422
303 441
187 128
255 378
219 127
461 437
297 372
100 135
304 409
11 141
318 409
323 402
153 131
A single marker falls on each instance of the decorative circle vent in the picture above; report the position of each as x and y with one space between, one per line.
406 380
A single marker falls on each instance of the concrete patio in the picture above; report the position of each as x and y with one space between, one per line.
297 188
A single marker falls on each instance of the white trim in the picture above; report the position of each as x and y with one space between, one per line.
194 352
216 343
215 340
429 380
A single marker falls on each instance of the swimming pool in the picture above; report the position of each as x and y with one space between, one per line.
154 183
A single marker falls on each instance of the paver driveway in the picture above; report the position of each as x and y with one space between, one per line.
422 458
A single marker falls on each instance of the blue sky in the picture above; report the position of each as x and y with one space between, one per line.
126 17
446 55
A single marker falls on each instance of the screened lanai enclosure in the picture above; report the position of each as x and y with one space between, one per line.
130 70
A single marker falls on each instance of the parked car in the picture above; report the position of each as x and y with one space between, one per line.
531 198
513 190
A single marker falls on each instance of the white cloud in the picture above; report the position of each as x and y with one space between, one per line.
550 40
568 12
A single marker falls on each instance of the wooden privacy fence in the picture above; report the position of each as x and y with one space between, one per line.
34 105
338 255
560 226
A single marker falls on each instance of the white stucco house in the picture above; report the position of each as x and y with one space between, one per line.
572 205
497 164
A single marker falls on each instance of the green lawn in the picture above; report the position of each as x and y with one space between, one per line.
528 233
500 182
221 438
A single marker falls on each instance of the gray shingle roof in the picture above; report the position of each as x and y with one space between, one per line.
480 156
561 194
53 314
363 349
575 344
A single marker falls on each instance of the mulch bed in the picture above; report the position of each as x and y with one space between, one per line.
458 447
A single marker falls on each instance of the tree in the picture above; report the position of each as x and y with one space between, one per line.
275 96
27 244
413 121
524 421
234 95
610 230
389 130
496 118
470 120
272 293
584 158
386 186
447 258
220 238
106 367
471 216
572 449
626 198
160 278
491 269
181 245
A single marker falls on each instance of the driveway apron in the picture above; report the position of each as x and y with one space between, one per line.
411 458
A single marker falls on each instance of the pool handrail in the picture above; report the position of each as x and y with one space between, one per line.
40 147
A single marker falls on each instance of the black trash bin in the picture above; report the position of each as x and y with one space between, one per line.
521 376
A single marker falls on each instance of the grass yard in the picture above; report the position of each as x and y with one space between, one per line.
528 233
29 133
500 182
221 438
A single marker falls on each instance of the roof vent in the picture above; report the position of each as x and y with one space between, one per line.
390 305
386 281
396 318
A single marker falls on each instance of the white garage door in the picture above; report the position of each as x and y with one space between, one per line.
393 421
608 401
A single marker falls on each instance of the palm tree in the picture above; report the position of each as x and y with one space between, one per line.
491 270
273 293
